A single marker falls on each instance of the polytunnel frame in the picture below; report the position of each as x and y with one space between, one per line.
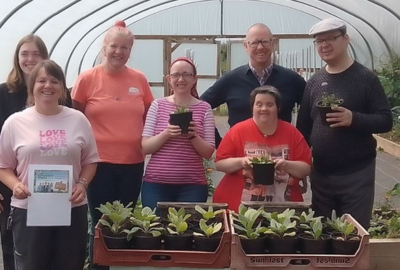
370 51
179 3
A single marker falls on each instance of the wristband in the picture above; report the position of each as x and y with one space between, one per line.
84 182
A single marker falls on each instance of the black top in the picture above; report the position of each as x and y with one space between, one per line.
345 149
15 102
235 87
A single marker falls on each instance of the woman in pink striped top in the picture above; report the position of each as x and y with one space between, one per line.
175 172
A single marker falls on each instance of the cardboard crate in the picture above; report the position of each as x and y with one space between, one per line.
242 261
164 258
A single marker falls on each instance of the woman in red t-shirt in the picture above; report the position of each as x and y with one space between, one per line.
262 135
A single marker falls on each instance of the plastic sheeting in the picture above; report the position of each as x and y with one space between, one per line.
73 30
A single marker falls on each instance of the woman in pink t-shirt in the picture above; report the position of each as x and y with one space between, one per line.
175 172
47 134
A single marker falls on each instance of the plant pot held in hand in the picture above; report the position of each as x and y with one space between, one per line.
181 119
263 171
325 106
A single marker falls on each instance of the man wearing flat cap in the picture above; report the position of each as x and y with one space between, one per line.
344 150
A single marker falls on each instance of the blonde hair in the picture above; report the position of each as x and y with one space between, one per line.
119 28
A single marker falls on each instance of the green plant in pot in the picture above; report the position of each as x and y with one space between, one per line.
178 236
325 105
208 214
305 219
344 237
252 236
115 220
385 222
313 241
281 217
146 231
282 237
181 117
263 170
209 236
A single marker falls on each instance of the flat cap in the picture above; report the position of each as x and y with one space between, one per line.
329 24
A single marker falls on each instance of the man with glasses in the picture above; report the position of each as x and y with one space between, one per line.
235 86
344 151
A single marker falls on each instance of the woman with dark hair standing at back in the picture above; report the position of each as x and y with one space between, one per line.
30 50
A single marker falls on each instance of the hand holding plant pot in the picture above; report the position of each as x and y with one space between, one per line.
181 117
325 105
263 171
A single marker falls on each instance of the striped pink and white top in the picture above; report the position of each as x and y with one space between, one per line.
177 162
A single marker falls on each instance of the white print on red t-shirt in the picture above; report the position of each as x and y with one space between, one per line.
280 191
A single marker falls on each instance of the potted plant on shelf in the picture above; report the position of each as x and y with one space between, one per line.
252 238
178 237
263 170
209 237
282 237
115 220
182 118
146 231
325 105
313 241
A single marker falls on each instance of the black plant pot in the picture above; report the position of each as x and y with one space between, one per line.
182 120
286 245
146 242
116 242
348 247
253 246
309 245
210 244
179 242
264 174
323 110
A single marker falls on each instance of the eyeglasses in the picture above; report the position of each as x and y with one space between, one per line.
327 40
264 42
185 76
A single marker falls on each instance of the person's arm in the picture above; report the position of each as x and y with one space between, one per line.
204 146
154 143
20 190
148 97
150 141
379 118
297 169
85 177
233 164
215 95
